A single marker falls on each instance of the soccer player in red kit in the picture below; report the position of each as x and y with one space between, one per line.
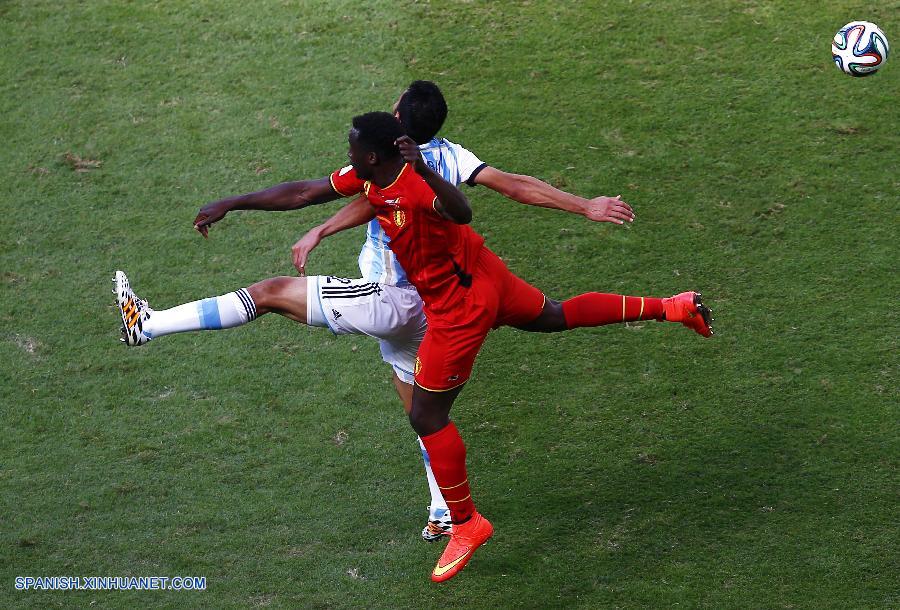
467 290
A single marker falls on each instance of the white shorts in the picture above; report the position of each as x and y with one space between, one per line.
392 314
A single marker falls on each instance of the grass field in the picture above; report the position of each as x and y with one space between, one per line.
625 467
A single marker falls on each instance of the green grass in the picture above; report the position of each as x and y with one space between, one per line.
622 467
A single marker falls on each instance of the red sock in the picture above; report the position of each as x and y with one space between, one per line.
448 463
597 309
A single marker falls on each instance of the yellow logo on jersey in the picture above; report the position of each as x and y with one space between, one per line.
399 218
417 367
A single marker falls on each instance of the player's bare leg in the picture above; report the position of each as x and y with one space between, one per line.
430 411
283 295
597 309
405 391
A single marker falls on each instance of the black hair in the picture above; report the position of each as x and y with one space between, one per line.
377 132
422 110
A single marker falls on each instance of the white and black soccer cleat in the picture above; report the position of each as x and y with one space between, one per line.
133 311
438 526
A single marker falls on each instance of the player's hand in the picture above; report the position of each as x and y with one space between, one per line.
608 209
209 214
409 150
300 251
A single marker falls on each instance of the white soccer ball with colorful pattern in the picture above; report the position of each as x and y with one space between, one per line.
859 48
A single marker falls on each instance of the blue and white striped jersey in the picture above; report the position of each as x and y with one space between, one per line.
457 165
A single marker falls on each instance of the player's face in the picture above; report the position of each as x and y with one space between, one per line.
358 157
397 105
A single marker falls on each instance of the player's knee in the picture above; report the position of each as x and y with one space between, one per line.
555 318
550 320
426 419
419 419
552 316
267 292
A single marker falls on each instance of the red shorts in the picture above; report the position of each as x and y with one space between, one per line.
453 339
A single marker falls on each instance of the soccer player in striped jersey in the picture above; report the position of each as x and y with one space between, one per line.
382 304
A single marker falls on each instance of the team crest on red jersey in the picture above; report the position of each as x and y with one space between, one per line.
417 367
399 218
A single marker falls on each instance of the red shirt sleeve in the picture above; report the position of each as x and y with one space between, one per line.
345 181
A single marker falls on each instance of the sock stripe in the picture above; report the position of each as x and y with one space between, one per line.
252 302
640 315
455 486
623 307
247 301
208 310
457 501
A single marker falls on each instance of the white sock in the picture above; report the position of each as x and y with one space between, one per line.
438 505
226 311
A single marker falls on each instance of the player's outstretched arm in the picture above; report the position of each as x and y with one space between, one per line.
453 203
357 212
531 191
279 198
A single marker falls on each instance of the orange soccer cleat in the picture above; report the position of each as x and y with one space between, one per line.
463 541
688 308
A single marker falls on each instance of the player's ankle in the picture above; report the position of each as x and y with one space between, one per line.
462 521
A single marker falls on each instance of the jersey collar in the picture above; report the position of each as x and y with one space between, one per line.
369 183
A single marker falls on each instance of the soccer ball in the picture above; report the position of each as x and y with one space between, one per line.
859 48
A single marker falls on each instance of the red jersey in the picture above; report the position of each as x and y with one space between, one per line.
438 255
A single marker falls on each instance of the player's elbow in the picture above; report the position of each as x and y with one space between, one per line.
301 197
528 190
515 191
513 186
455 209
310 192
463 216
